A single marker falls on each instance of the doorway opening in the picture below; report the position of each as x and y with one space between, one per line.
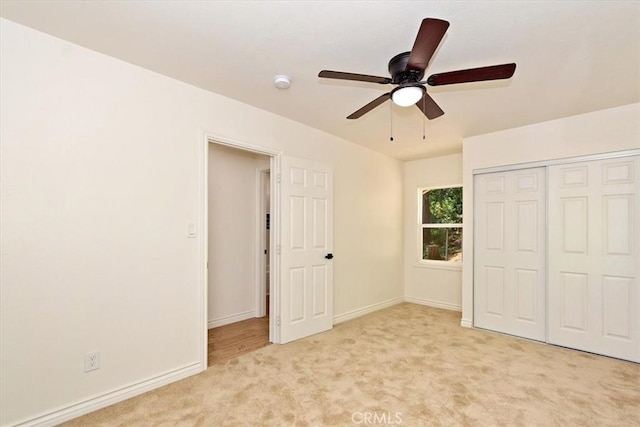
240 237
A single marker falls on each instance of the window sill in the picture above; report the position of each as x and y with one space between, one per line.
439 265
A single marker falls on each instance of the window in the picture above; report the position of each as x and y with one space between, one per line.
441 224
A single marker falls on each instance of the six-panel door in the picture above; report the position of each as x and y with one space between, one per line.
307 238
594 263
509 256
592 270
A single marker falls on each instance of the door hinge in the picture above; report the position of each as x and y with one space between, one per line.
278 178
278 321
278 249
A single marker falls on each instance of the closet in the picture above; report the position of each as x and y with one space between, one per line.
556 254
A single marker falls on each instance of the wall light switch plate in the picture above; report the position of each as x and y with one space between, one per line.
192 231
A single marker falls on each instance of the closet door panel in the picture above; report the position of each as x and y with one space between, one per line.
594 262
509 256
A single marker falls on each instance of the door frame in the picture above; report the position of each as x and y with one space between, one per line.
274 260
261 238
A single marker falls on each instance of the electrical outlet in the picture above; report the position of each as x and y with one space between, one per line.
92 361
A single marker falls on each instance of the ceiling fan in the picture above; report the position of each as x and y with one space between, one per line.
407 70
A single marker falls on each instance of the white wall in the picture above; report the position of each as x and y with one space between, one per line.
438 286
100 175
614 129
233 208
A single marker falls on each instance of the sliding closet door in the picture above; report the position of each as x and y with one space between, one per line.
509 252
594 256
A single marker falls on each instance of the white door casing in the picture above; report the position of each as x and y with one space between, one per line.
306 304
509 252
594 256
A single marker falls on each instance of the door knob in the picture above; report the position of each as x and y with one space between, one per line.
329 256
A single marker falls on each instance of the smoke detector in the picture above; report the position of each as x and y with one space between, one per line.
282 82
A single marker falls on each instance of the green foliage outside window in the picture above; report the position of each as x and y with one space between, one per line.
440 207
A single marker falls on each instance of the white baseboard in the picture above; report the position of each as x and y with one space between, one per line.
466 323
365 310
93 404
232 318
432 303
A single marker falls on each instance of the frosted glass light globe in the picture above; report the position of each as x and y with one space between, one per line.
408 95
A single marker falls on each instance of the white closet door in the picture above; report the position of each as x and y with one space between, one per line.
594 257
509 253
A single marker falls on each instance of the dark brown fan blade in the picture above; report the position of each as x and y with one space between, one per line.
351 76
429 107
370 106
494 72
429 36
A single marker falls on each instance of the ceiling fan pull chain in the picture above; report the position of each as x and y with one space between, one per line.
391 121
424 108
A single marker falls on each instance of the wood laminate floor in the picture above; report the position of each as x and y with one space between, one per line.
229 341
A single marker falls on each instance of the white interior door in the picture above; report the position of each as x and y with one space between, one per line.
509 252
594 259
306 297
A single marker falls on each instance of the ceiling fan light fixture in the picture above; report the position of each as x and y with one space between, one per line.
406 96
407 70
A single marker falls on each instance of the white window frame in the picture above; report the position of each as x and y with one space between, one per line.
433 263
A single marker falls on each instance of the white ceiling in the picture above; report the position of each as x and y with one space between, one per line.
572 56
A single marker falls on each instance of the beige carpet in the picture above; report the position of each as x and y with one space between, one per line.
405 365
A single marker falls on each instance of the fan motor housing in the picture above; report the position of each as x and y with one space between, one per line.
399 72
